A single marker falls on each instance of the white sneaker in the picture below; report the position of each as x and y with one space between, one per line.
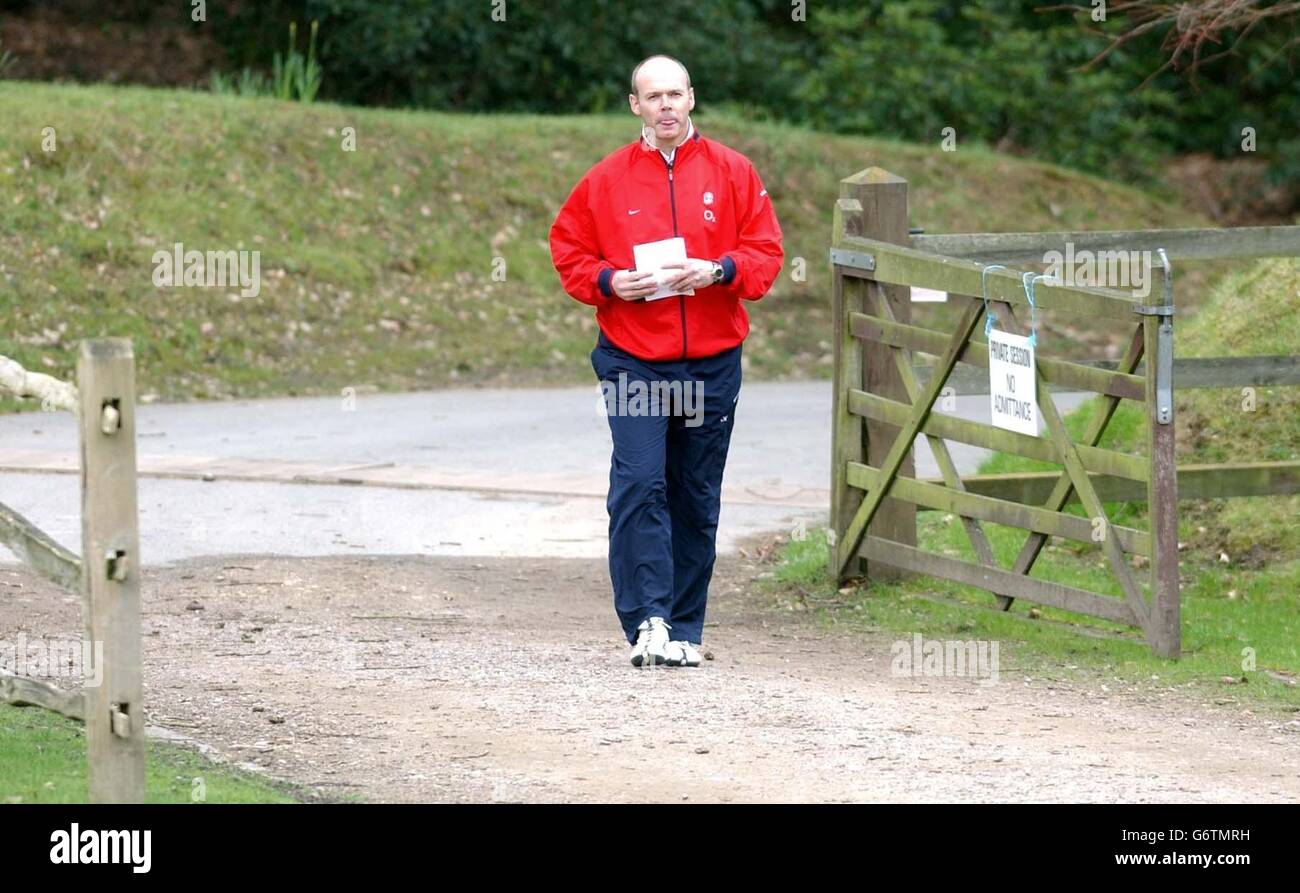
683 654
651 642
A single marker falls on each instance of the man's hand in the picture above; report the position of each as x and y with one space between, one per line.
631 285
695 273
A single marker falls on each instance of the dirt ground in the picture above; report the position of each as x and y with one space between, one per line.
421 679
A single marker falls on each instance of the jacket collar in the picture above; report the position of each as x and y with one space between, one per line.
684 149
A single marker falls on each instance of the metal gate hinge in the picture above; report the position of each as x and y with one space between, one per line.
859 260
1154 309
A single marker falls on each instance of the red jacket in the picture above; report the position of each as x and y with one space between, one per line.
713 198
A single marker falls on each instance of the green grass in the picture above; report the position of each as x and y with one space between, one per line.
1265 616
43 760
1250 602
377 264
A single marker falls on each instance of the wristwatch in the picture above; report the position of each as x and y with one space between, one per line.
717 272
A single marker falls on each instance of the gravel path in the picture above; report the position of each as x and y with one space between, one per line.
469 680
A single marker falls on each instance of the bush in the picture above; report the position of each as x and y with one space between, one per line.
1005 73
559 56
913 69
294 76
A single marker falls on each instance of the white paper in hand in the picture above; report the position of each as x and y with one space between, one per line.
653 256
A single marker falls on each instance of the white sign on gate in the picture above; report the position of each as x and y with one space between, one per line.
1011 382
928 295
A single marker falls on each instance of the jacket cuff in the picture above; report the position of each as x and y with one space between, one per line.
603 281
728 270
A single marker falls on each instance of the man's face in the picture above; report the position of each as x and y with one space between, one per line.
663 100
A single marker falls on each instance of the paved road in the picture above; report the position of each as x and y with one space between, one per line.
518 472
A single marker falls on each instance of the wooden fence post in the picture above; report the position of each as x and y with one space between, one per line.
848 431
111 570
1162 481
883 216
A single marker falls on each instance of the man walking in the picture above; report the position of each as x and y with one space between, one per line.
665 478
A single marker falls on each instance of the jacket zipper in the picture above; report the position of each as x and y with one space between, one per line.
672 199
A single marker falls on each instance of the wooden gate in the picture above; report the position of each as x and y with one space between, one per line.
880 406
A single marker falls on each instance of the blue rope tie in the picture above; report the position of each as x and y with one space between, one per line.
989 316
1028 282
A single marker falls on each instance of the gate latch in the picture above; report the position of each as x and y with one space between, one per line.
1164 358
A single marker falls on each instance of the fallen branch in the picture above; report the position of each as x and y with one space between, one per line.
53 393
23 691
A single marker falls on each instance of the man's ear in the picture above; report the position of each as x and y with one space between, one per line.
691 93
632 102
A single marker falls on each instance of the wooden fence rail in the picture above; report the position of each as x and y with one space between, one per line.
1178 244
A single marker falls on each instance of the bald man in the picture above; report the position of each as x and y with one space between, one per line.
669 451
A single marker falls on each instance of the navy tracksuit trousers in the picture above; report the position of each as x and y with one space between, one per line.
665 485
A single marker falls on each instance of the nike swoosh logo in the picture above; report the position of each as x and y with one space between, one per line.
637 211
